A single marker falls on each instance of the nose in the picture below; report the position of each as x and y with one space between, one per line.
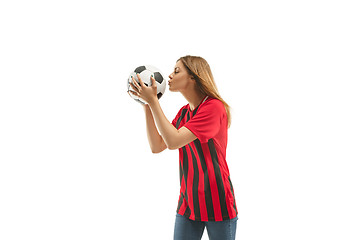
171 76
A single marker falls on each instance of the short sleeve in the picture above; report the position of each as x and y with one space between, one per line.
207 121
174 121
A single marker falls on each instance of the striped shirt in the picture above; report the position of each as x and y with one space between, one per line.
206 191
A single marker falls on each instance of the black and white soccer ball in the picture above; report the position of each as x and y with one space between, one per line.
145 73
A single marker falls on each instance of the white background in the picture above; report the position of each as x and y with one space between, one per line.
74 158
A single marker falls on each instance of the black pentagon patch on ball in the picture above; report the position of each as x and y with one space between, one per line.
139 69
159 95
158 77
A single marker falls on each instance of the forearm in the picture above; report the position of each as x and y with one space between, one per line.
155 140
168 132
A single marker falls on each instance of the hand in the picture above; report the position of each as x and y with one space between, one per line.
148 94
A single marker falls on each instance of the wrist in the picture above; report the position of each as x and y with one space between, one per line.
146 106
153 101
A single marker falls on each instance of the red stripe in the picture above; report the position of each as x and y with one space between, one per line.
182 184
182 208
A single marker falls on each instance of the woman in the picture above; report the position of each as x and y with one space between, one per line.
199 131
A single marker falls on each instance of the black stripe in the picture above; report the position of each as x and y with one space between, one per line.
195 110
183 112
187 212
207 189
188 116
185 164
232 192
195 187
180 202
180 171
219 181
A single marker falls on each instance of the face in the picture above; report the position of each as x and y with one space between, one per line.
180 80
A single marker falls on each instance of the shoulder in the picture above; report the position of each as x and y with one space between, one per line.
213 104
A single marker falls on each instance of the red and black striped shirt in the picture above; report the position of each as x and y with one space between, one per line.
206 191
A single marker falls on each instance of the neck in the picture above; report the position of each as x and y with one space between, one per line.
194 98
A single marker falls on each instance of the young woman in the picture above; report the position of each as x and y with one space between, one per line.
199 131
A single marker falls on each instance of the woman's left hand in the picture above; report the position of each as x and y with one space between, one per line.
148 94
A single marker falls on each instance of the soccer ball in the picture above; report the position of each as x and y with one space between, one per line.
145 73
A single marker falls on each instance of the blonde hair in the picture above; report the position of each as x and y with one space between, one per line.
200 70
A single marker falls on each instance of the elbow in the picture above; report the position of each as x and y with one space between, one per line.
172 147
155 151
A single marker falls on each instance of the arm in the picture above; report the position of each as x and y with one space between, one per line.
172 137
156 142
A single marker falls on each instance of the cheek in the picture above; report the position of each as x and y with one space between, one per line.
178 83
180 80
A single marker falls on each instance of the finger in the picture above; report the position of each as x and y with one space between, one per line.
140 81
153 81
133 93
136 88
135 83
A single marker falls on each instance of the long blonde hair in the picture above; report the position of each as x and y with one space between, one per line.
200 70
